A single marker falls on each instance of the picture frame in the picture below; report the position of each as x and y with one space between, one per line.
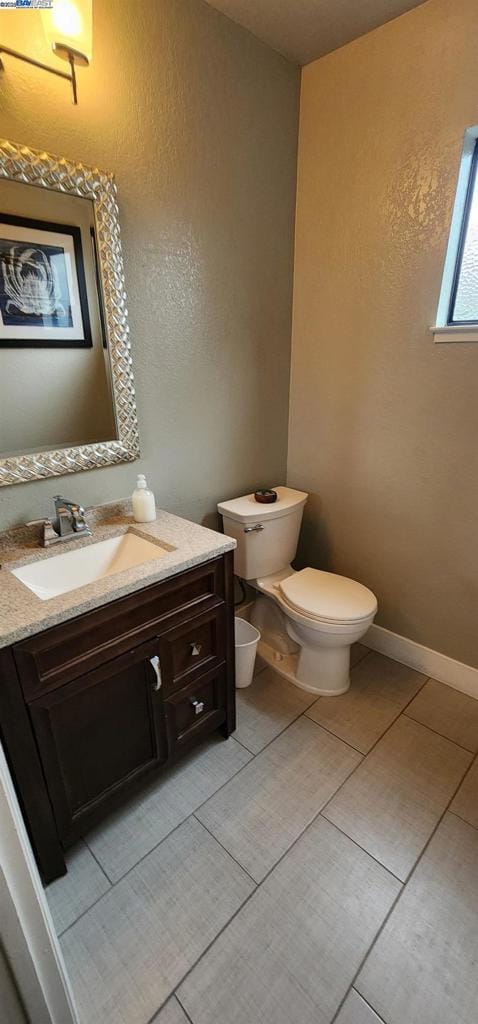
43 295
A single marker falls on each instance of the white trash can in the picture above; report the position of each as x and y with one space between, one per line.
247 639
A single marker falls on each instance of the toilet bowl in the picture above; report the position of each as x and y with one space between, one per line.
324 614
308 619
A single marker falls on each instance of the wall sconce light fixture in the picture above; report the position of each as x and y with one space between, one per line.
68 29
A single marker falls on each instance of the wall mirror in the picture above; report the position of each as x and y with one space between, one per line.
66 384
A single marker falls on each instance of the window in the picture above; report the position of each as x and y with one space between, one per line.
457 317
464 297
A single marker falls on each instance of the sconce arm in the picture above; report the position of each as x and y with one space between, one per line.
44 67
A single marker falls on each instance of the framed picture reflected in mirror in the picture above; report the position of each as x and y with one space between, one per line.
43 296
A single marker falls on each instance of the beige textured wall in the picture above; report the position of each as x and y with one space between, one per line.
198 121
383 423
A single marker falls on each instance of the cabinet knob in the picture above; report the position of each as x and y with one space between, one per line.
196 649
157 669
198 706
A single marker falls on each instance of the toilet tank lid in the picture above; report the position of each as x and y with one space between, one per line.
248 510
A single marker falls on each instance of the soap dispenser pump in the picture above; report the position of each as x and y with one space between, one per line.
144 505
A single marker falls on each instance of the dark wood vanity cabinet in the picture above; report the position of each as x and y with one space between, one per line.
92 707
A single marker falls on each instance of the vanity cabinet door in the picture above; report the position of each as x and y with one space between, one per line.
99 734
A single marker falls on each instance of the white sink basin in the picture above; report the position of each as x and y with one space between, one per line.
50 577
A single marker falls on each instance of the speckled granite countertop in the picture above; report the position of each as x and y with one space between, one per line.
22 613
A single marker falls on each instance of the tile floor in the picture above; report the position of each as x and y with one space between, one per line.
320 866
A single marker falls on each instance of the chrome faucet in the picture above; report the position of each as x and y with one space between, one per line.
68 523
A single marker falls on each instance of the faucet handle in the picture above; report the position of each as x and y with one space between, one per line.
79 521
49 532
46 522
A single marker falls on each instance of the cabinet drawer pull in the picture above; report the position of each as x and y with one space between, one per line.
157 669
198 706
196 649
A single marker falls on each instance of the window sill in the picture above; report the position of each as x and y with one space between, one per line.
465 334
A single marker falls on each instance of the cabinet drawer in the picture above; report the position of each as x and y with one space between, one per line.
192 648
66 652
201 705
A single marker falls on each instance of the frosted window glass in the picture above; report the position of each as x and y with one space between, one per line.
466 301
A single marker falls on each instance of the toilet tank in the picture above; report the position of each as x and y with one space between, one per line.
273 544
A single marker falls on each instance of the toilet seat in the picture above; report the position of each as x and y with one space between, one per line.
326 597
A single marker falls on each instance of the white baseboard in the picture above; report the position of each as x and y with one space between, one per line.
423 659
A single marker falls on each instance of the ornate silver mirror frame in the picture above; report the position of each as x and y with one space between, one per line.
18 163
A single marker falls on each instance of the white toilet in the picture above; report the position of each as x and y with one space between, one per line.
308 619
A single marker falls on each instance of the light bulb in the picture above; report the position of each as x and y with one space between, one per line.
67 19
68 29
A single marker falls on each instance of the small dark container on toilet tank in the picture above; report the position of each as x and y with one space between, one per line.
265 497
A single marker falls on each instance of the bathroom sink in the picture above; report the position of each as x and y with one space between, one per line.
50 577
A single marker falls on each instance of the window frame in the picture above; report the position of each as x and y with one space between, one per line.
451 322
446 328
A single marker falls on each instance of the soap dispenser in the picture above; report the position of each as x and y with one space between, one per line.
144 505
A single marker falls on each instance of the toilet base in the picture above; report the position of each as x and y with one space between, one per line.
287 665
